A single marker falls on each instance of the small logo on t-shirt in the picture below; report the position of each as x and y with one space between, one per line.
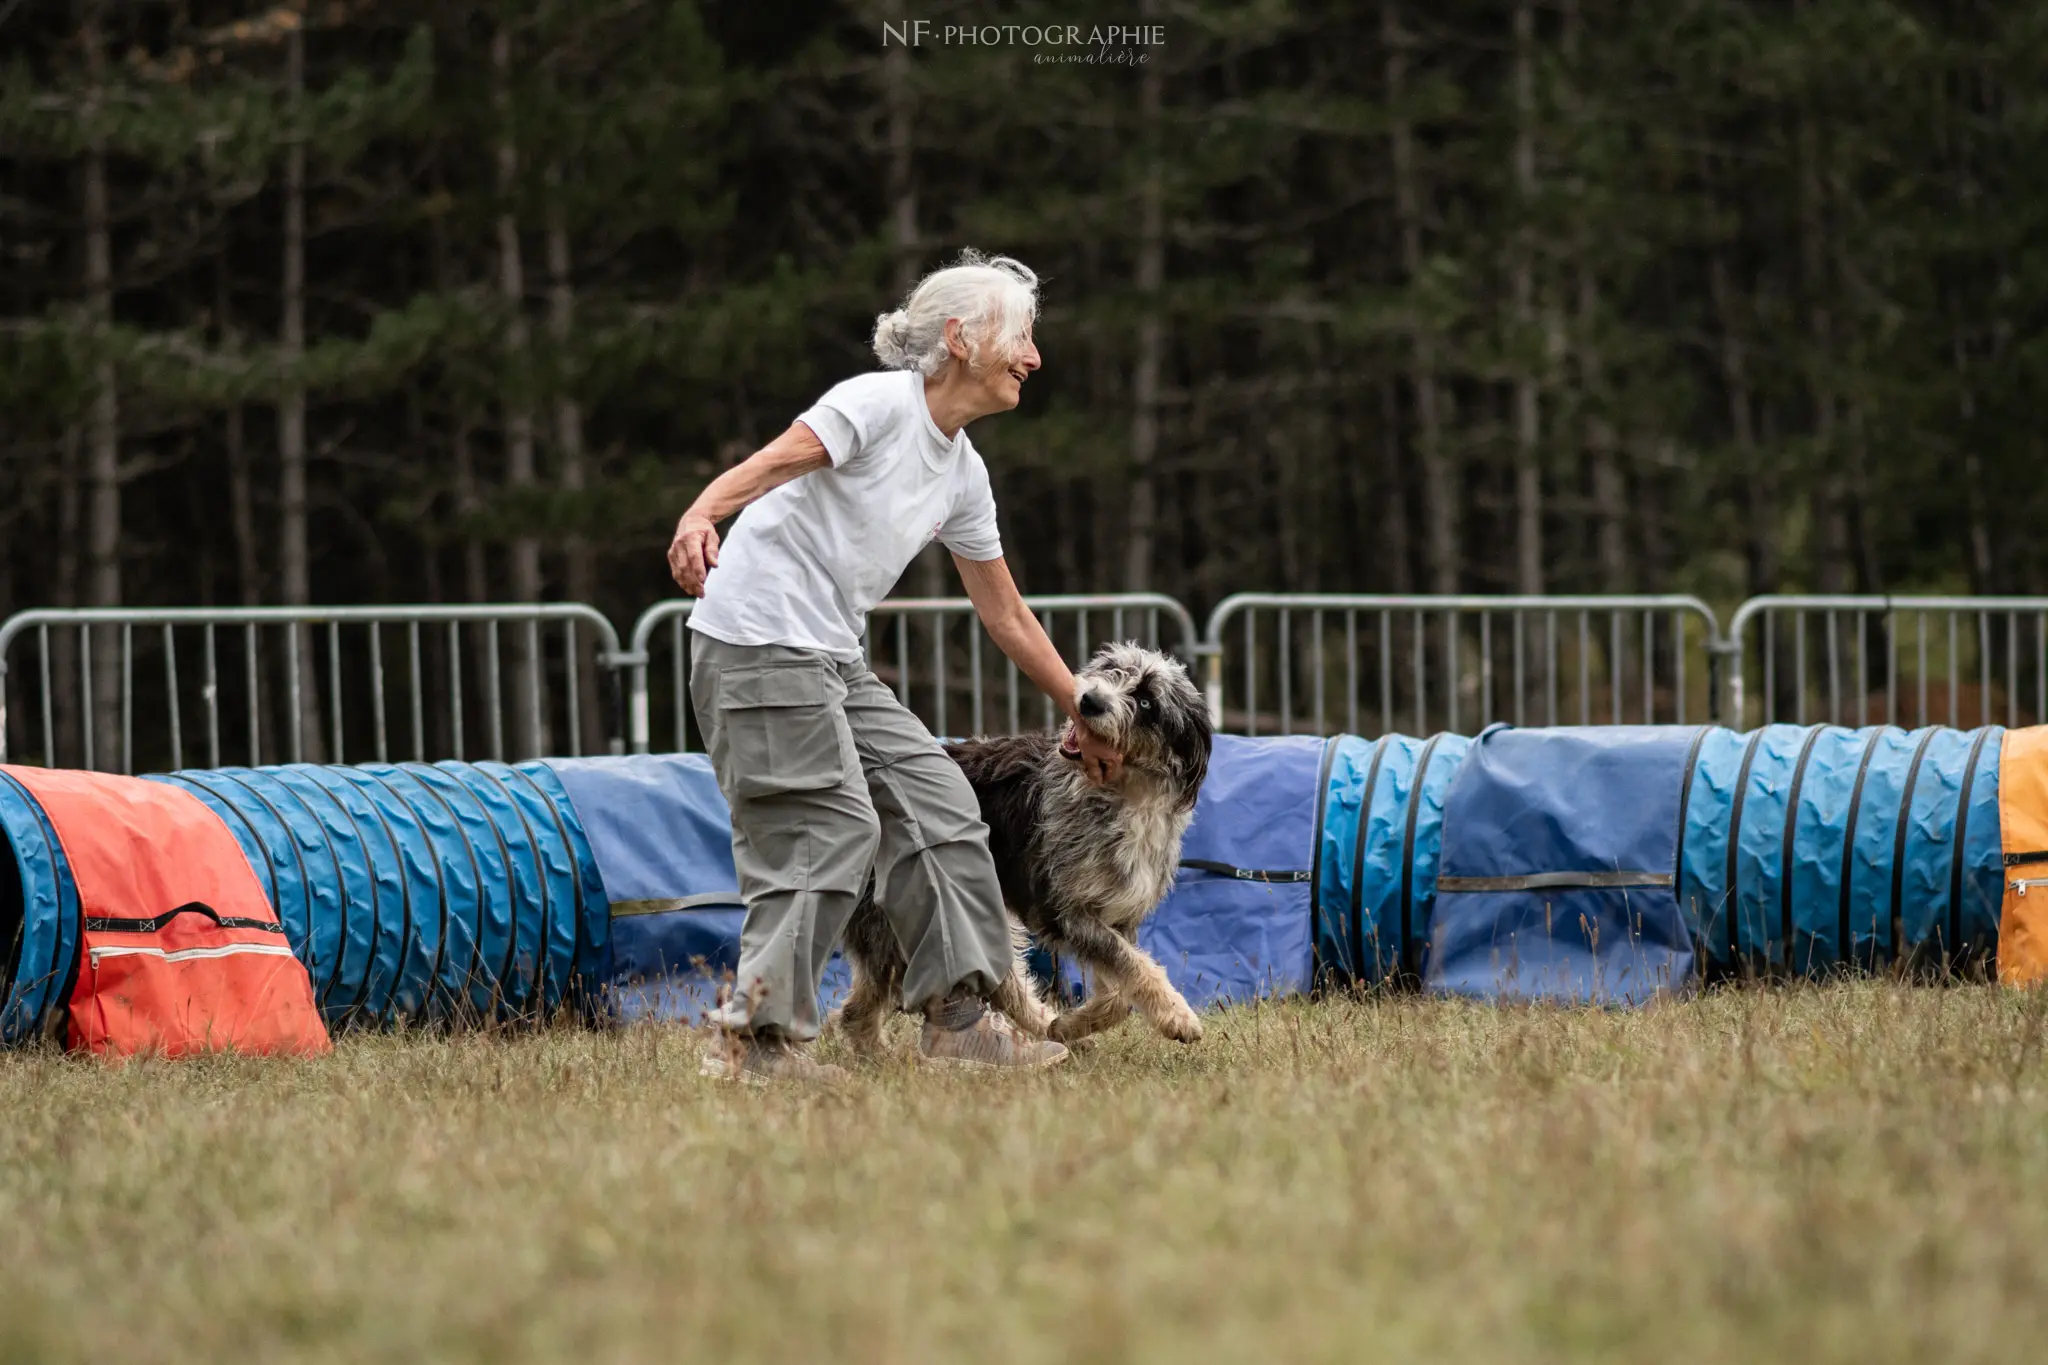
936 526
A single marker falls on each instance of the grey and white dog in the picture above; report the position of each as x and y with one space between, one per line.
1081 866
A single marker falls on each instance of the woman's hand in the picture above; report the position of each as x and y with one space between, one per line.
1101 762
1018 634
693 554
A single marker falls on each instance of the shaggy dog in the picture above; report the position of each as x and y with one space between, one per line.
1081 866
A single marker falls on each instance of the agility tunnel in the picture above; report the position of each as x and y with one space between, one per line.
1608 865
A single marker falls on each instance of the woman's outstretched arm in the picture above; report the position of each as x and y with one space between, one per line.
1017 633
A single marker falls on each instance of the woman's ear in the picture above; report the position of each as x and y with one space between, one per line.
956 339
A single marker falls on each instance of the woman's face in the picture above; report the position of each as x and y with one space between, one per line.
1000 378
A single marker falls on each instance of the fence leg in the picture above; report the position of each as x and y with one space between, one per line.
1214 690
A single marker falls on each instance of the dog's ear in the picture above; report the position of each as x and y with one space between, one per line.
1194 738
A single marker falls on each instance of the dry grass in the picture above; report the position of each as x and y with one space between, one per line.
1856 1173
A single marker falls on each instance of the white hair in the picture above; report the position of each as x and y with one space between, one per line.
995 298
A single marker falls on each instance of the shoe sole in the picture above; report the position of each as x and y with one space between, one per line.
719 1069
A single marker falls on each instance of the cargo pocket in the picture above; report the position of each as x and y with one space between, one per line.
782 732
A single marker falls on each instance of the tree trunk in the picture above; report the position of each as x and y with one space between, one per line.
1760 541
1439 482
1831 530
529 728
241 495
899 100
295 564
1151 271
1528 457
581 575
1610 493
1391 511
103 533
65 711
1976 502
468 507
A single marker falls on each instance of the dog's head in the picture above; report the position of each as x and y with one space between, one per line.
1143 702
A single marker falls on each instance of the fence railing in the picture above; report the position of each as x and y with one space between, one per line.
1890 660
931 650
1363 663
291 684
135 689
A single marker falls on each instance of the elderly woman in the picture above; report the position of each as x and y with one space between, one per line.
827 774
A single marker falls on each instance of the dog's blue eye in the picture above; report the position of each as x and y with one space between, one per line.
1144 703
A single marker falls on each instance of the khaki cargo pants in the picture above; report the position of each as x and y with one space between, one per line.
828 776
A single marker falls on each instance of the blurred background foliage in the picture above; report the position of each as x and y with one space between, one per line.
356 301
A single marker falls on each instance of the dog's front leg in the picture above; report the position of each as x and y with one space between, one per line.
1102 1011
1017 1000
1124 969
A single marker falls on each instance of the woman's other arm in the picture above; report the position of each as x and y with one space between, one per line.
694 551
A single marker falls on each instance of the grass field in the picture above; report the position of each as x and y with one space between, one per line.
1851 1173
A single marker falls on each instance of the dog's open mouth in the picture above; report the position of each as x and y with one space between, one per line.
1070 743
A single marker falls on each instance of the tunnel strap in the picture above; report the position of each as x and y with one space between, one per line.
708 900
1278 877
1556 881
151 926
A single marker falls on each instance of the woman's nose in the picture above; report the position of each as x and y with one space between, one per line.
1029 359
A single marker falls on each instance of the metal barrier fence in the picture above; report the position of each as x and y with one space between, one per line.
305 683
969 683
1443 663
1890 660
151 688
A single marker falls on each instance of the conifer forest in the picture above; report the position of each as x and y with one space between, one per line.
346 301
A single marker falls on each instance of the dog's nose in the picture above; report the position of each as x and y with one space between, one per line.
1092 706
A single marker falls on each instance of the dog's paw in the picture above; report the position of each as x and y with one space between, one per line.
1182 1026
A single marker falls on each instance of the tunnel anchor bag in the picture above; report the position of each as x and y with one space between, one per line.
2023 831
181 950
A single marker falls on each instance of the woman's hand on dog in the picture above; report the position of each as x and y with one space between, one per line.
1102 763
693 554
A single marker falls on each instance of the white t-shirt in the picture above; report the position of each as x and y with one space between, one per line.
804 565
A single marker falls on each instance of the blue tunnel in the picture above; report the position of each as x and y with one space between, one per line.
1601 864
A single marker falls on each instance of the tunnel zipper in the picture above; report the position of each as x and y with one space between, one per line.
185 954
2019 885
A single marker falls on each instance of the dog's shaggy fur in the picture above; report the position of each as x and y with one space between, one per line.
1081 866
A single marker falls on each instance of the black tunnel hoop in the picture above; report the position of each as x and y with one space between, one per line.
1731 893
1955 875
1692 762
1356 927
1845 941
1898 925
1786 930
1315 861
1410 967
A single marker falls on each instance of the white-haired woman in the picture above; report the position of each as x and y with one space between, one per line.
827 774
